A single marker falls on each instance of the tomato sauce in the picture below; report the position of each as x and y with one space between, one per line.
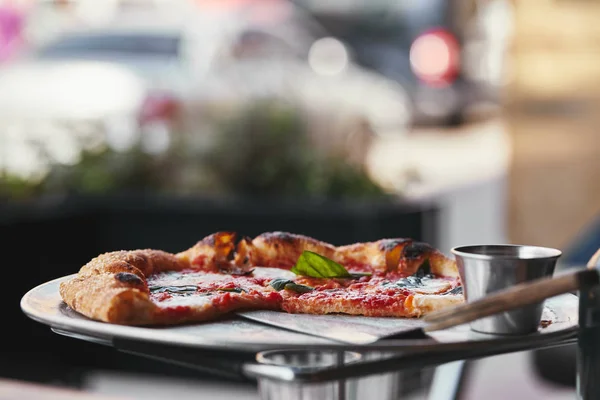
273 297
161 296
379 301
224 300
354 266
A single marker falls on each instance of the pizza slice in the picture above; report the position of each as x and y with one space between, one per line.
143 287
333 289
274 271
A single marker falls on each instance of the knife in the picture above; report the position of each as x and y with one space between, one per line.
342 328
366 330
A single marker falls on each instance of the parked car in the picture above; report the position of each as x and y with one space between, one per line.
153 74
448 54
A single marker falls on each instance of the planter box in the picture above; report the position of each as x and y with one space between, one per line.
50 238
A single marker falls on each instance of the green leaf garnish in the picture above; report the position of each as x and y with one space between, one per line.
299 288
173 289
279 283
316 266
282 283
360 274
232 290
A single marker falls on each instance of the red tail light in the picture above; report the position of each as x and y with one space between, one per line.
435 57
159 107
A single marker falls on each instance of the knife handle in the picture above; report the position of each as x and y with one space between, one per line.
509 299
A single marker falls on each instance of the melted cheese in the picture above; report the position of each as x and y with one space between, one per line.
433 286
186 301
264 272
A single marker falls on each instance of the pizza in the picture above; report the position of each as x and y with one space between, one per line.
222 273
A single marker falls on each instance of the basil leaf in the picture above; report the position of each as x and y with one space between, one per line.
298 288
282 283
232 290
316 266
173 289
279 283
360 274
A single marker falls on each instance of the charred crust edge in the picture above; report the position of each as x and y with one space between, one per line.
390 244
127 277
415 250
286 237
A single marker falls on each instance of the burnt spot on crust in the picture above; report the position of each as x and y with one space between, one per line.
218 238
416 250
392 249
390 244
279 236
127 277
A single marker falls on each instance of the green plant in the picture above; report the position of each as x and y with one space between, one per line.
13 187
266 150
104 171
263 149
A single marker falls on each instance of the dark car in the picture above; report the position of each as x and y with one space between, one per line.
448 54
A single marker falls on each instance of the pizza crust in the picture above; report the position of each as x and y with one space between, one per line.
423 304
443 266
113 288
104 297
412 306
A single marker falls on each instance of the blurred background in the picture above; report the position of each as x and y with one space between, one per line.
134 124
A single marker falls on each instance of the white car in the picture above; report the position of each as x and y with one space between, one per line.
148 76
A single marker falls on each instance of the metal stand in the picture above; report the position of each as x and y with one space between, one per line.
447 380
588 348
588 356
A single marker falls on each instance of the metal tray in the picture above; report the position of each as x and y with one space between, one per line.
44 304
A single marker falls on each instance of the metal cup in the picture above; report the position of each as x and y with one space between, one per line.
276 385
270 389
485 269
